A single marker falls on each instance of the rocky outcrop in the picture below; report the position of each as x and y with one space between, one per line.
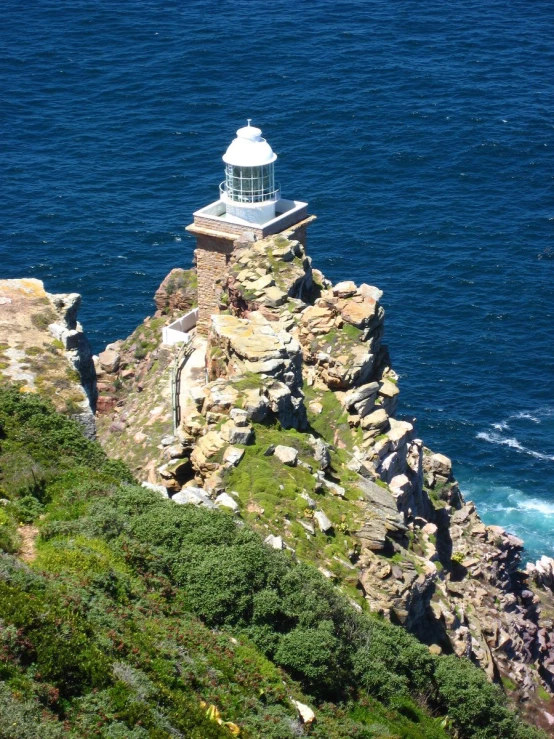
177 293
134 408
44 349
253 345
294 428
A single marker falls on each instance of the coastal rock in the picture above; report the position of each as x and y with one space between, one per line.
109 360
286 454
193 496
177 292
323 522
59 366
234 434
275 542
226 501
378 420
345 289
305 712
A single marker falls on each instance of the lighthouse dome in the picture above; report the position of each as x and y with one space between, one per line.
249 149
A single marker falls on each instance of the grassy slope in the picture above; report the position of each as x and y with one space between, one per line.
141 618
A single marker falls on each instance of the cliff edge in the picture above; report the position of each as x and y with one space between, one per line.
43 348
294 428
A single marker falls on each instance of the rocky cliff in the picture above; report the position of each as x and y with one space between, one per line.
44 350
294 427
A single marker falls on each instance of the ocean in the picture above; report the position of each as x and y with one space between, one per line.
421 133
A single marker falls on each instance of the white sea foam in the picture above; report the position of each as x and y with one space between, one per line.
528 416
533 504
502 426
494 438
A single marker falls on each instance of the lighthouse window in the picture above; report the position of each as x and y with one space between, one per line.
250 184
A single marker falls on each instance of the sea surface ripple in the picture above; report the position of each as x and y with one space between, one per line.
420 132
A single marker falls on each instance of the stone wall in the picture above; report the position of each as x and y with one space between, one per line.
212 257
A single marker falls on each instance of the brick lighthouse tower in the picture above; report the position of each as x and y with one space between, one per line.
250 206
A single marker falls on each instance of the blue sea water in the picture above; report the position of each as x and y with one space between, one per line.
420 132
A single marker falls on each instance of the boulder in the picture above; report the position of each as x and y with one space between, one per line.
232 456
274 297
321 453
239 416
440 464
310 502
234 434
306 714
378 420
323 522
275 542
369 291
262 283
361 400
194 496
109 360
332 487
256 405
345 289
225 501
286 454
160 489
359 314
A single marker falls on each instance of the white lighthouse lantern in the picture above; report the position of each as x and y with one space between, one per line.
249 190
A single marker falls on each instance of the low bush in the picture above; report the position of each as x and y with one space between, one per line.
143 618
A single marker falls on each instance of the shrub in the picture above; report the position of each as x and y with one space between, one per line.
110 625
476 706
312 656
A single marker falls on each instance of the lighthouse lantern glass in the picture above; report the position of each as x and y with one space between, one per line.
250 184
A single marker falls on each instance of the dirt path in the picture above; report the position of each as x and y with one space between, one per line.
27 551
194 374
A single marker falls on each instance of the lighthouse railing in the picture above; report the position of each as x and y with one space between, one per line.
255 196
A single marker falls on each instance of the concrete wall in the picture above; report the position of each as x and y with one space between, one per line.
178 330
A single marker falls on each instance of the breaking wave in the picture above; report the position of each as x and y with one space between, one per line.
495 438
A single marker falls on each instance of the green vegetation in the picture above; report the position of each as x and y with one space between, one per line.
44 319
351 331
333 419
184 280
145 338
141 618
509 684
267 484
544 695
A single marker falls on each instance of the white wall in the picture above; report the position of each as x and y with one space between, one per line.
178 330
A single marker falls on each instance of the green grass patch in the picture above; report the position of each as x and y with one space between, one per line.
143 618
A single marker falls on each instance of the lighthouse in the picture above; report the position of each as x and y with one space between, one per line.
250 207
249 191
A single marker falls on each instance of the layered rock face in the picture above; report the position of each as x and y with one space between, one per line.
134 409
177 293
294 427
43 347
